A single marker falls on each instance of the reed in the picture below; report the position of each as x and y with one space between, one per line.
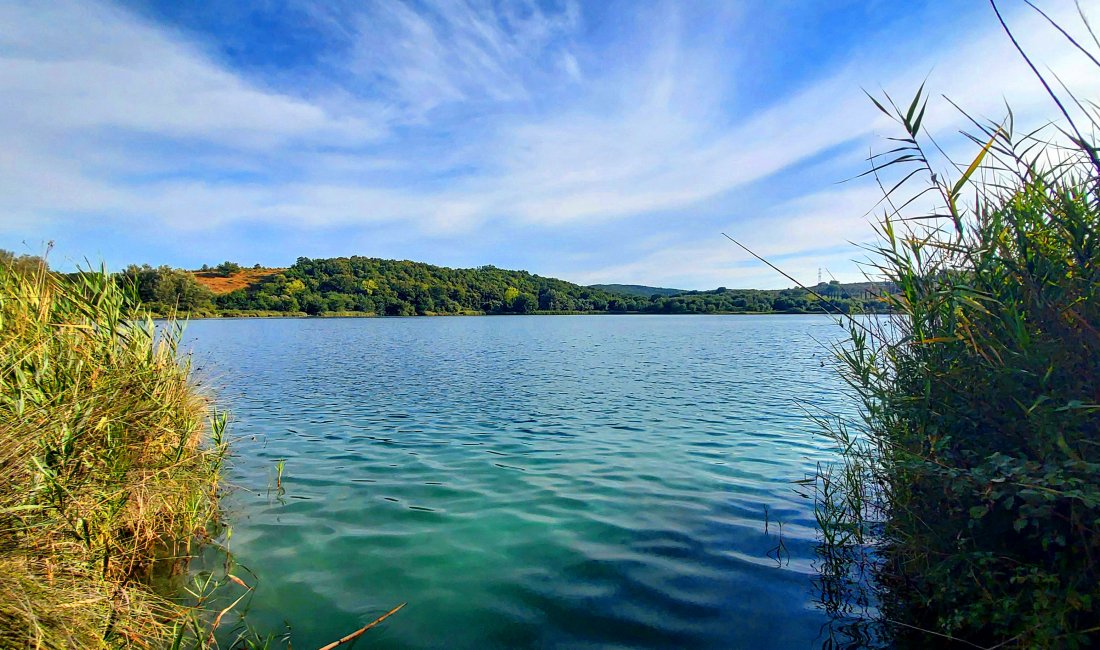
110 465
967 508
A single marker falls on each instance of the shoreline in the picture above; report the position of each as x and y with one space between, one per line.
323 316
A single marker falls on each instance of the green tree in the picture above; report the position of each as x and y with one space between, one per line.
22 263
165 289
525 303
227 268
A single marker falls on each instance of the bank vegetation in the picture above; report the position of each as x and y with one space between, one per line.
110 466
967 511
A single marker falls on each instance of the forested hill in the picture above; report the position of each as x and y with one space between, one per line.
403 288
637 290
366 285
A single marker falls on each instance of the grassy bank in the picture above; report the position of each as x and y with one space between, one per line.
109 465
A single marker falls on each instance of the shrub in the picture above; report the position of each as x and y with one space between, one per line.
226 269
167 291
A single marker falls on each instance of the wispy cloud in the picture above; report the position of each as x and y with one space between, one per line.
454 52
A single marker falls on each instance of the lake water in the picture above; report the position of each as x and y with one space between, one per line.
558 481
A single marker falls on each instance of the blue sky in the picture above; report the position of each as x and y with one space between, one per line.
592 141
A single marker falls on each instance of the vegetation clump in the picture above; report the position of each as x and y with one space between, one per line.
164 290
972 482
109 464
227 268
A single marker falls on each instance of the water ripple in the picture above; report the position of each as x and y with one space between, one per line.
526 482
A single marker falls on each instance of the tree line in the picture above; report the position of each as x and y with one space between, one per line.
403 288
365 285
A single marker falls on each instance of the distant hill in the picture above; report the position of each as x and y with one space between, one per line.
636 290
404 288
373 286
855 289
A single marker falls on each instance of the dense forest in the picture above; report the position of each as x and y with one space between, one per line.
372 286
365 285
637 290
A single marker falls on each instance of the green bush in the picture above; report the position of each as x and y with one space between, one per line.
167 291
227 268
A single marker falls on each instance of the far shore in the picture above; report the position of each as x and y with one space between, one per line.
303 315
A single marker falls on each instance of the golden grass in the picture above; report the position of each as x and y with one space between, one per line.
219 284
109 465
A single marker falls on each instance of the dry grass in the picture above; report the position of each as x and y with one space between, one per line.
219 284
109 465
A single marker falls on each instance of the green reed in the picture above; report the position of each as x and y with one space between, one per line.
967 508
109 465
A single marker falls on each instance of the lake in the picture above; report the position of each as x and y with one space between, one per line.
527 481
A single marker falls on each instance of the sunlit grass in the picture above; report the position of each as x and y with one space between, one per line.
109 465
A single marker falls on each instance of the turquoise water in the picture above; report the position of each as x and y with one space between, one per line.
560 481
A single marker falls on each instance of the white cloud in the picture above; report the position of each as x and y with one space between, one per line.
75 67
652 159
982 73
800 235
451 52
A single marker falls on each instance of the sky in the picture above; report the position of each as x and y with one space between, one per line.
595 141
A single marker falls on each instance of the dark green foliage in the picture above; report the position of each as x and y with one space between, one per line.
995 418
165 290
525 303
793 301
980 455
403 288
636 290
226 269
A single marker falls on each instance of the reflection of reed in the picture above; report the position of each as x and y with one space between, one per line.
779 552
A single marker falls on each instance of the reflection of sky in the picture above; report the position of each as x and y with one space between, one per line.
527 480
598 142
